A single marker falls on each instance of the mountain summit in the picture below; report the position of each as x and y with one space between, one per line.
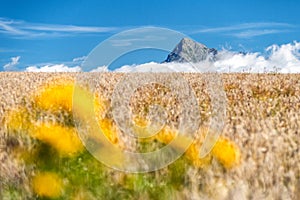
188 50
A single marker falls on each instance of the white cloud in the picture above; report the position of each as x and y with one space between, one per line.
7 27
67 28
18 28
53 68
11 65
161 67
130 39
79 59
283 59
243 26
248 30
70 66
254 33
9 50
101 69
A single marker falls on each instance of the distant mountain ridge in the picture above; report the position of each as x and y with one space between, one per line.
188 50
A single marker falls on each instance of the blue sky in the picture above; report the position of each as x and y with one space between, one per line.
36 33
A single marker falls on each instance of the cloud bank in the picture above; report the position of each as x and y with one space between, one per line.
282 59
53 68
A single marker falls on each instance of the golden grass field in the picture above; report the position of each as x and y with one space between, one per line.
256 157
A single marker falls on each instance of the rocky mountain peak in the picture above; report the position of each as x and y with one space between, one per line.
188 50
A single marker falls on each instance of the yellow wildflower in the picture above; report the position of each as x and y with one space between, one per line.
18 120
100 106
166 135
47 184
109 130
227 153
56 97
193 153
139 121
64 139
106 125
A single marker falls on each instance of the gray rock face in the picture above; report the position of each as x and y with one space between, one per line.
188 50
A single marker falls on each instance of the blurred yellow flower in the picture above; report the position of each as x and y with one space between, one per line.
193 154
140 121
18 120
55 97
106 125
109 130
166 135
47 184
100 106
227 153
64 139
